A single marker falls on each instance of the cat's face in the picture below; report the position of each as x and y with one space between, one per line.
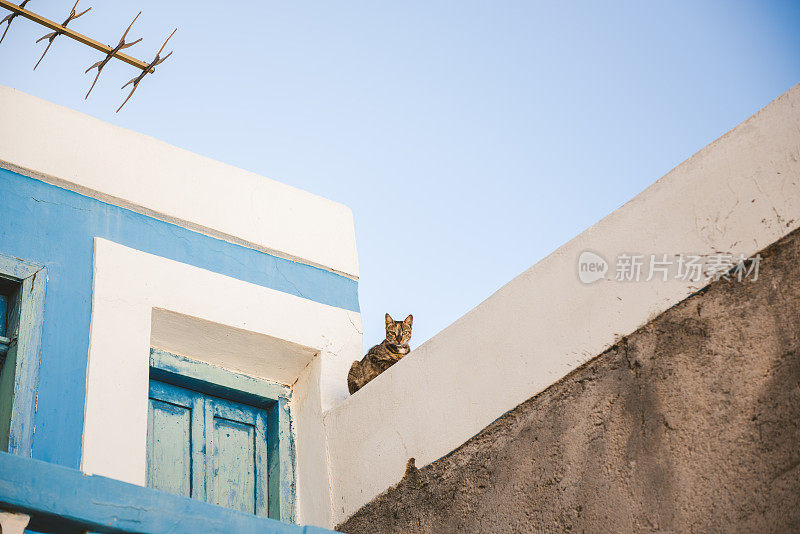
398 332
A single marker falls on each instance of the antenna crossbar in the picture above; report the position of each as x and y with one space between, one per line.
72 34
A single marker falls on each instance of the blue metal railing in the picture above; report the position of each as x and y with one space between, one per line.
61 500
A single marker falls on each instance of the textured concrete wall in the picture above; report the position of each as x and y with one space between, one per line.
690 424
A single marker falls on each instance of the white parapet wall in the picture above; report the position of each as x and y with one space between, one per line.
736 196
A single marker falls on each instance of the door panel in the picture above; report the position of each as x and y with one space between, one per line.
169 455
233 463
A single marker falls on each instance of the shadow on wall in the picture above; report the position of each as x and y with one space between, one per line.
691 423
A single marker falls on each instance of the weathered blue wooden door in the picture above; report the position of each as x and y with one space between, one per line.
238 456
207 448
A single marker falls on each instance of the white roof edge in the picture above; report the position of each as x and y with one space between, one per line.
78 152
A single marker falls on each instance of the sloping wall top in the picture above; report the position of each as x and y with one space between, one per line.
736 196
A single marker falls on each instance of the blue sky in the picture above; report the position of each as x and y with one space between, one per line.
470 138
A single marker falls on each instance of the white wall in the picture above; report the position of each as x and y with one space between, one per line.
140 299
81 153
738 195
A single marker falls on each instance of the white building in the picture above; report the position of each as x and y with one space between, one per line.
189 322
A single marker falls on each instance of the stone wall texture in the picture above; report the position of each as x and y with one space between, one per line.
689 424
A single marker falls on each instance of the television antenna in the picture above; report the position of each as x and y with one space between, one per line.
111 52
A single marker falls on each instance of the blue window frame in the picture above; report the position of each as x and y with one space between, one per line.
22 289
9 328
9 314
220 437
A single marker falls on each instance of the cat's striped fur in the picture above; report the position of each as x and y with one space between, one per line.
381 356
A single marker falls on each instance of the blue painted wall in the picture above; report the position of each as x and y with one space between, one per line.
55 227
65 500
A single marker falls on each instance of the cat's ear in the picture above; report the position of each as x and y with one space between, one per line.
389 319
408 321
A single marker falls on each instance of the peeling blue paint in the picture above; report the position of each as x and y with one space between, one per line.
55 227
64 500
208 379
201 376
20 371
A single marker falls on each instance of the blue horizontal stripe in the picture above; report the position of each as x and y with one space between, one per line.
55 227
60 499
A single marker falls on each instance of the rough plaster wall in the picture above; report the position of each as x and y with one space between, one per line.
690 424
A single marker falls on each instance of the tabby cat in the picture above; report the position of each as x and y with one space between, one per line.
380 357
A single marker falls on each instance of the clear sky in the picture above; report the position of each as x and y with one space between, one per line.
470 138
